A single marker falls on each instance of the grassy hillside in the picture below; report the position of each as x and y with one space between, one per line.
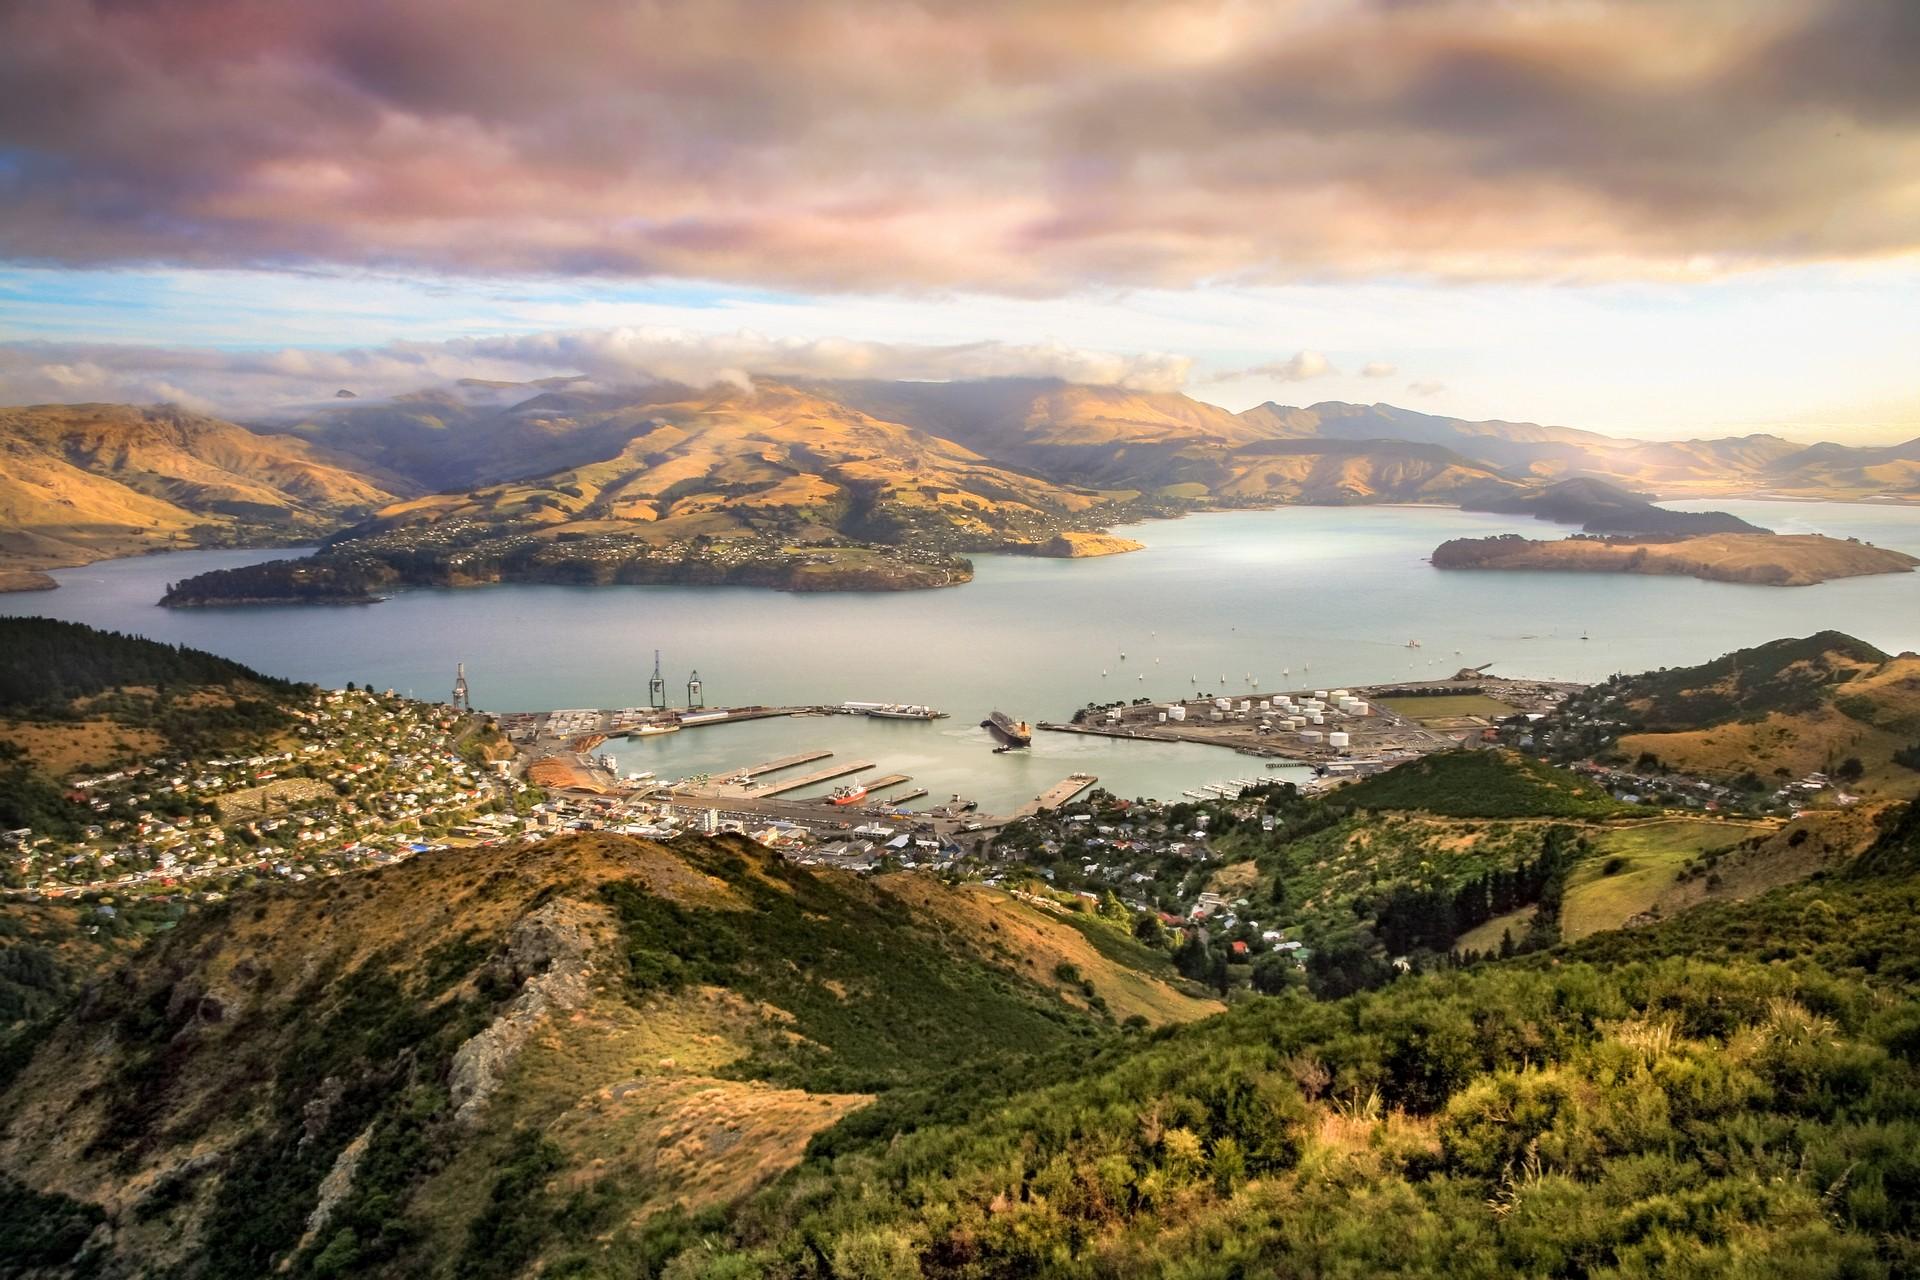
83 482
516 1054
1772 713
768 487
1730 1094
74 698
1481 784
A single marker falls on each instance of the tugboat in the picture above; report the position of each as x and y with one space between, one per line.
1015 733
853 793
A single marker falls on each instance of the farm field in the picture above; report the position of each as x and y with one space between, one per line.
1449 706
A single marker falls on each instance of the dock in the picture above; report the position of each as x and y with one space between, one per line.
1054 796
784 762
827 774
891 780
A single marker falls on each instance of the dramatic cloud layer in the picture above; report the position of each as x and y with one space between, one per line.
986 144
261 381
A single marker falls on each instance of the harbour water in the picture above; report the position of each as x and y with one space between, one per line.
1298 596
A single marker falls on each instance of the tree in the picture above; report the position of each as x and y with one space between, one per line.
1147 928
1850 770
1274 973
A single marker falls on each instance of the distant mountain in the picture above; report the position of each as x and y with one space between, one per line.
772 486
786 473
81 482
1164 442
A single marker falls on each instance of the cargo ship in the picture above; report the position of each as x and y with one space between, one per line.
1016 733
851 794
892 710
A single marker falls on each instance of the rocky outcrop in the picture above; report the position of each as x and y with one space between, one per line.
549 955
334 1187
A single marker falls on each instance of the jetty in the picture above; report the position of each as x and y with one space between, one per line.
775 766
827 774
1054 796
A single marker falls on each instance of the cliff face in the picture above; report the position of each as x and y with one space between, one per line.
1784 560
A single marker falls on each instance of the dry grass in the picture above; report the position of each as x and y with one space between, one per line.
62 747
1033 943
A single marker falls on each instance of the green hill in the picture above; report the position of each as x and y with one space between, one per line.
1481 784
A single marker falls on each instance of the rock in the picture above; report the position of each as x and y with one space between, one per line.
549 952
335 1186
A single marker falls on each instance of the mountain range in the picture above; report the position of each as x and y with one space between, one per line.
846 482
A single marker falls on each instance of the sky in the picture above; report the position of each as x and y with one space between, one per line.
1652 217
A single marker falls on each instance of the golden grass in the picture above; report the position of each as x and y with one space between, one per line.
59 748
1033 942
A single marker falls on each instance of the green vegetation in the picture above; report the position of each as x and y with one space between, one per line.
805 939
51 663
1783 675
1733 1093
1444 705
1635 865
1481 784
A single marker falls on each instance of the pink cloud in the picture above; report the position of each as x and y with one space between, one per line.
841 144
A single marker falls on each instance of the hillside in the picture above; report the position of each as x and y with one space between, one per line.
1764 559
770 487
605 1058
1598 506
462 1063
1776 712
85 482
1171 444
74 698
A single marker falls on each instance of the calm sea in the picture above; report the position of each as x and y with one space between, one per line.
1300 596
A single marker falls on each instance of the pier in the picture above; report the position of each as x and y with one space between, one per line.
891 780
827 774
1053 797
784 762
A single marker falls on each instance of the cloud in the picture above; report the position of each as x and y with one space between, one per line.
1378 369
214 380
1298 367
981 145
1426 388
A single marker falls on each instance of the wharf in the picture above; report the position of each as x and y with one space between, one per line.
891 780
1053 797
784 762
827 774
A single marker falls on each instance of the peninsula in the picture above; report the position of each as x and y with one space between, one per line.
1778 560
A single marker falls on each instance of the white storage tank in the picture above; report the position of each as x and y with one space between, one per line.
1176 713
1338 739
1163 717
1316 718
1309 735
1360 708
1320 694
1341 693
1222 703
1244 706
1218 714
1266 704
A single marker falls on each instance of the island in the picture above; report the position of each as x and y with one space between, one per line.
1777 560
